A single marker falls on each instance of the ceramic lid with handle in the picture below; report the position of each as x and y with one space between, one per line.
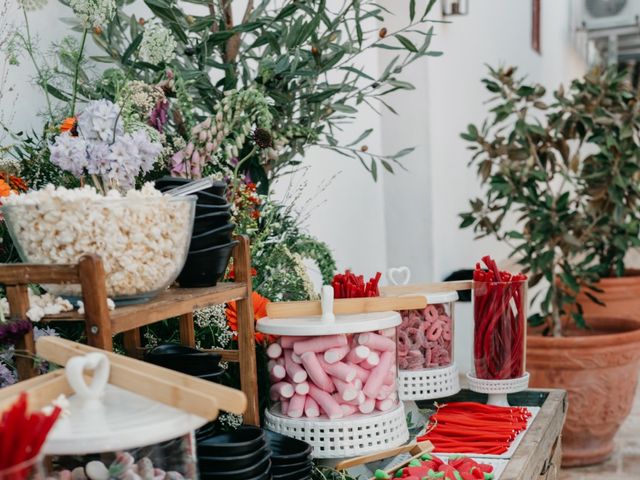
105 418
328 323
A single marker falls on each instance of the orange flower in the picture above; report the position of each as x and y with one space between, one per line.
16 183
259 311
68 124
5 189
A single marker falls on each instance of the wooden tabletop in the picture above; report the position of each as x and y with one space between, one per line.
170 303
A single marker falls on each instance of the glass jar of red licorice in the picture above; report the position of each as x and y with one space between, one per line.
351 370
425 336
499 313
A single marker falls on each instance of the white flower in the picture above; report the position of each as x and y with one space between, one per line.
32 4
157 45
94 12
69 153
101 121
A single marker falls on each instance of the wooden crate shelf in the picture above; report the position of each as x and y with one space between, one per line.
101 324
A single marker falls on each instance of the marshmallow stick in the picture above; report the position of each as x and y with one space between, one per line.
274 351
385 405
320 344
384 392
287 342
389 332
371 361
311 408
377 342
316 373
348 409
284 406
334 355
277 372
357 383
376 378
340 370
296 358
281 389
296 406
358 354
361 373
346 390
367 406
301 388
390 378
295 371
326 402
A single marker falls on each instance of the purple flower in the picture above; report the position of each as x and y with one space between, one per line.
6 376
159 115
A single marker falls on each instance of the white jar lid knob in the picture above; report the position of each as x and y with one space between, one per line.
399 275
99 363
326 303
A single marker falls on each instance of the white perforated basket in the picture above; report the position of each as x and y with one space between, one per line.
354 436
428 383
498 389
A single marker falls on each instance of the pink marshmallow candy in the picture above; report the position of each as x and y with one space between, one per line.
311 408
346 390
327 403
367 406
281 389
320 344
371 361
377 342
334 355
295 371
274 350
277 373
316 372
358 354
340 370
378 374
296 406
301 388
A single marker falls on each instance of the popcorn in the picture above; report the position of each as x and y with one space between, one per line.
142 237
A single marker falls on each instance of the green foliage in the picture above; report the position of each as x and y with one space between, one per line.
305 57
569 172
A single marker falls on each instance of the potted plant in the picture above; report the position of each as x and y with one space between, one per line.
561 188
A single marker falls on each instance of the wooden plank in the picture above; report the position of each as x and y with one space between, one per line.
226 355
41 394
159 385
394 290
24 274
94 296
345 306
416 452
18 298
187 330
17 388
228 399
528 461
172 303
246 331
414 447
133 343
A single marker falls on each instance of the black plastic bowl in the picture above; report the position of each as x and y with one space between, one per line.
212 238
245 440
205 209
215 376
259 467
204 268
283 468
205 198
209 221
300 474
185 359
209 464
287 450
165 183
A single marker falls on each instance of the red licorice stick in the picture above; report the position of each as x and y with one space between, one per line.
348 285
499 330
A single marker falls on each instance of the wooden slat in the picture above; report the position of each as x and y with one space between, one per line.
131 376
187 330
94 295
18 298
17 388
393 290
24 274
226 355
172 303
40 394
132 341
425 447
228 399
246 331
414 447
345 306
536 446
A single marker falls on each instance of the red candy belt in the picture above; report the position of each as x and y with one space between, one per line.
468 427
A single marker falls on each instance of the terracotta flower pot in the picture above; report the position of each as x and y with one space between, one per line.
621 296
599 370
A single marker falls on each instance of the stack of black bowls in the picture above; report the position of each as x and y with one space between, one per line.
242 454
190 361
211 241
290 458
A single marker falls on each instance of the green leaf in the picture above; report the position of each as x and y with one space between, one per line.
428 9
362 136
406 43
57 93
412 9
130 49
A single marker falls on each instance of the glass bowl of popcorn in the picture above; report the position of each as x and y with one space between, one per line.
142 236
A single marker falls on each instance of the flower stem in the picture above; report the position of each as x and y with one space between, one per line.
237 170
29 47
77 71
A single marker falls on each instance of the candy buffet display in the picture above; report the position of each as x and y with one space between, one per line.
429 467
142 236
333 380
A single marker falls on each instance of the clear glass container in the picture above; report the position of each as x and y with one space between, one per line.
31 469
143 241
425 337
333 376
500 322
173 459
